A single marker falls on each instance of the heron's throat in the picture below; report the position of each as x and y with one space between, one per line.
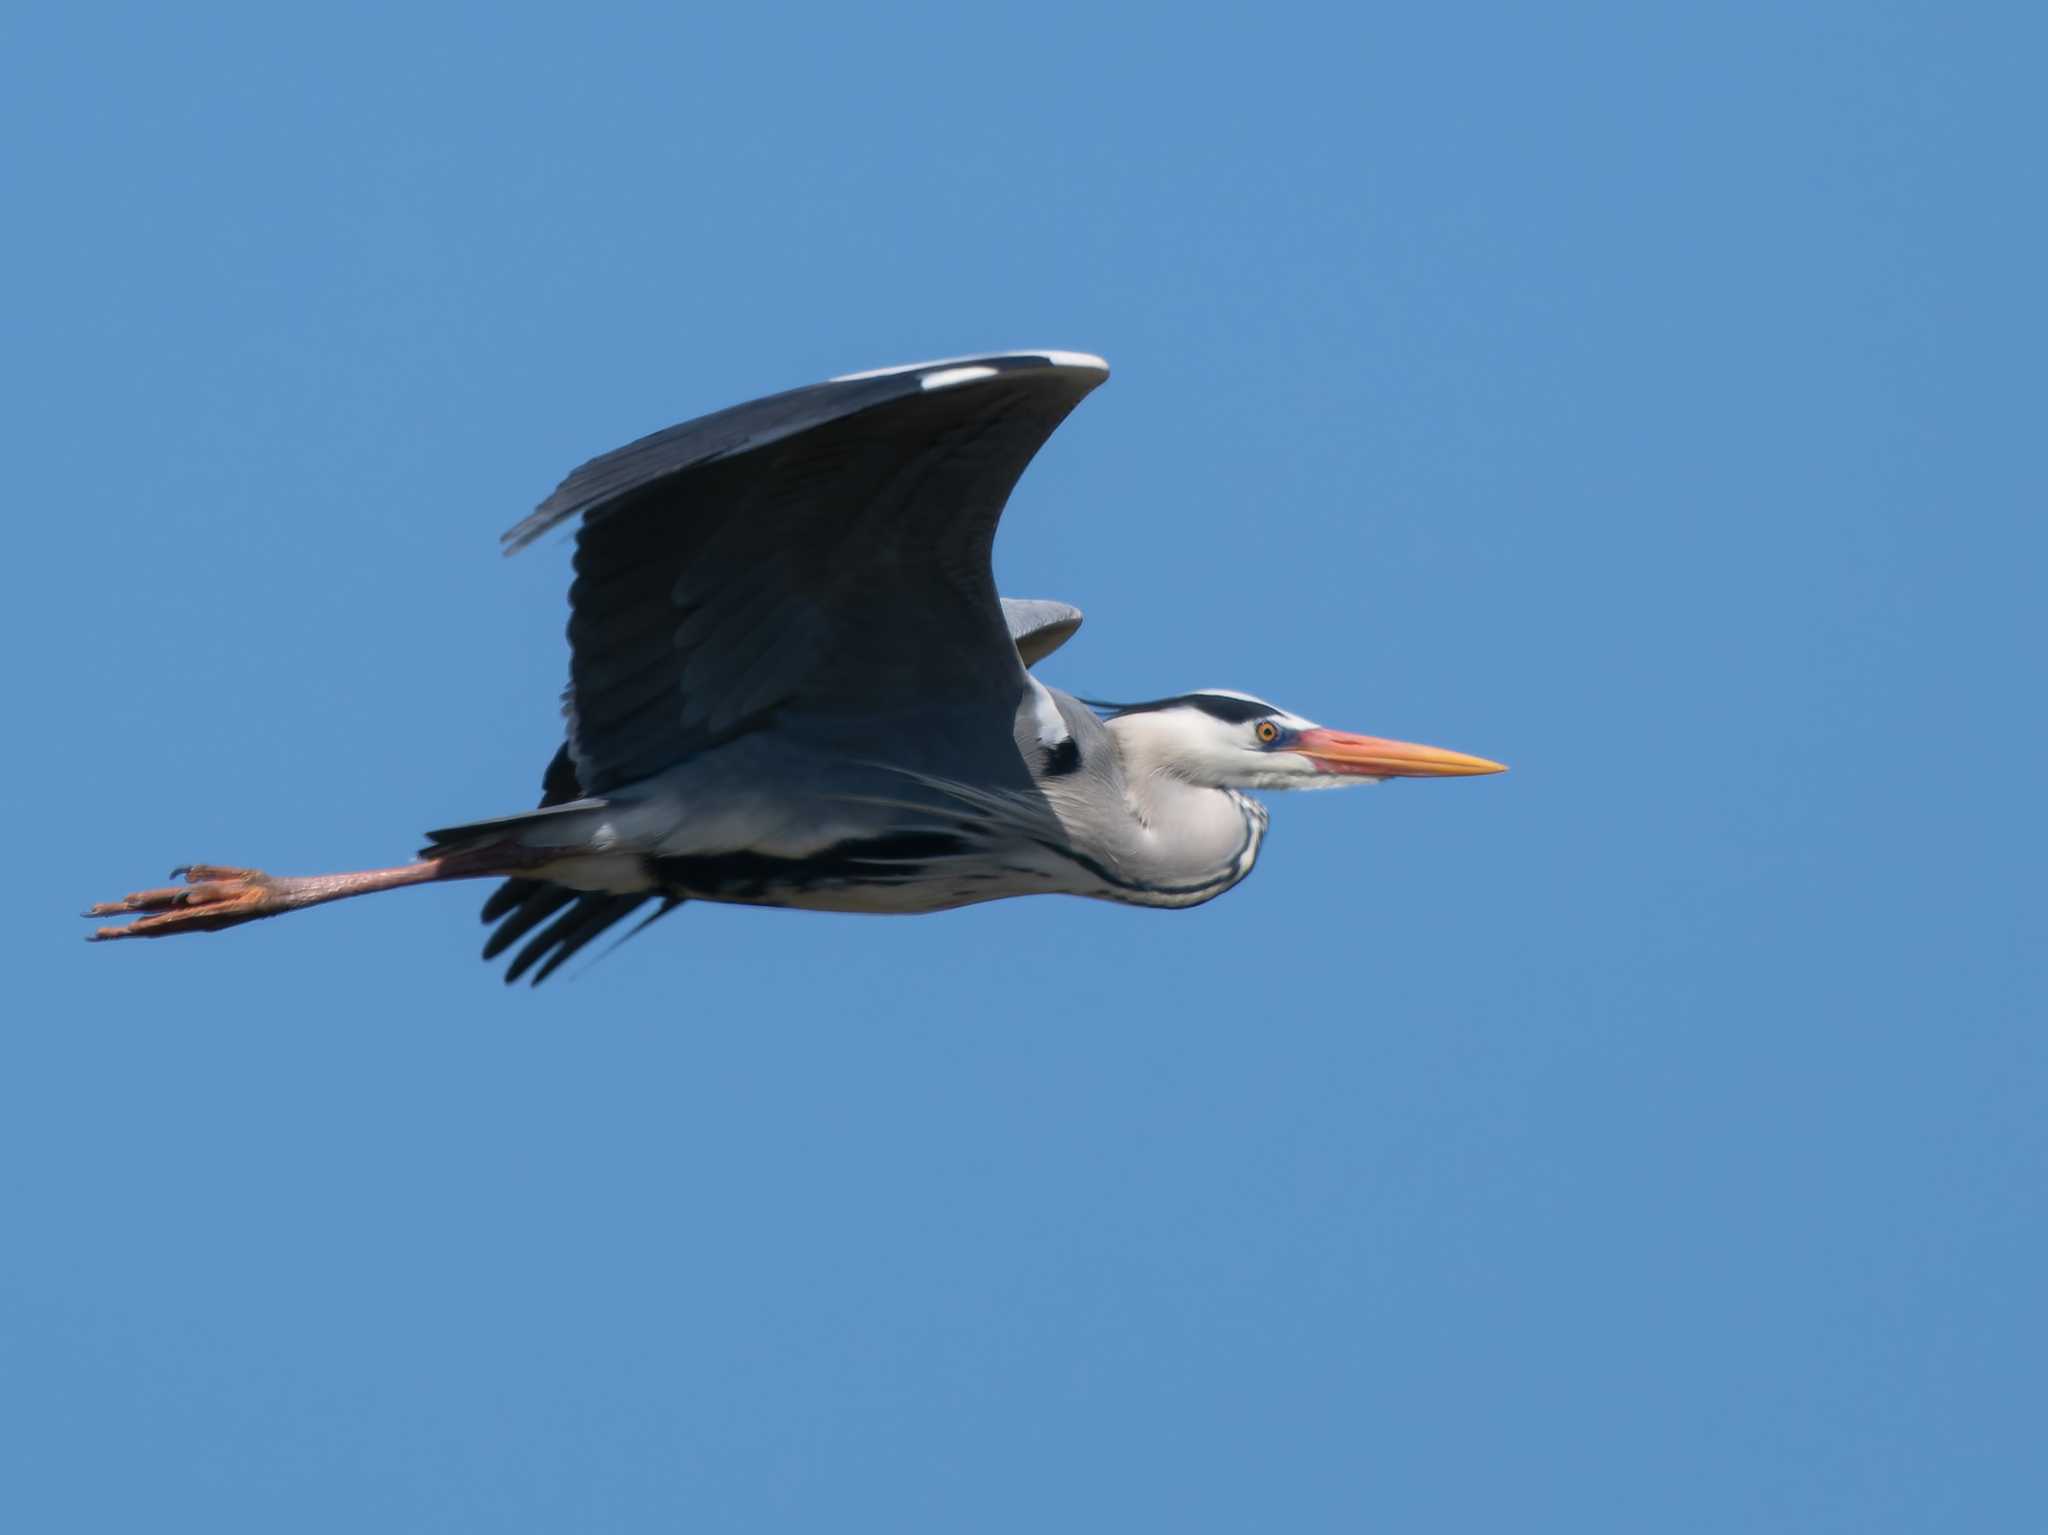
1186 843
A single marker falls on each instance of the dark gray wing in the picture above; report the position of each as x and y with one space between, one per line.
825 549
1039 627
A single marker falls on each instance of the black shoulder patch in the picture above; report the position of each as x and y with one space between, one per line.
1063 758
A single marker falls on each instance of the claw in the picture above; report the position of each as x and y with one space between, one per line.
214 896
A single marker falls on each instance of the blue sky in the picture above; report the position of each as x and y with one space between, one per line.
1652 1138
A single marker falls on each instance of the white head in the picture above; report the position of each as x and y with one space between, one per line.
1219 739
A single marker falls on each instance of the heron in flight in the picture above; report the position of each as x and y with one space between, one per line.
792 683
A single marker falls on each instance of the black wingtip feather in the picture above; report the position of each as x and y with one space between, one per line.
589 915
509 896
573 917
542 903
598 919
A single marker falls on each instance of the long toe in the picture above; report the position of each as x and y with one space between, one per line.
214 896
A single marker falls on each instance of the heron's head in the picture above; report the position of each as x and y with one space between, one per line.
1225 740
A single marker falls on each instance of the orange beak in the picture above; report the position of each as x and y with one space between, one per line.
1338 751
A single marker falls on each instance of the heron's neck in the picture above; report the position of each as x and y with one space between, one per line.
1182 843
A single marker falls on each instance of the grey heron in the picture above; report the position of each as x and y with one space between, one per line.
792 683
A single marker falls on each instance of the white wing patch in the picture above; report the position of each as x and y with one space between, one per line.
946 378
1086 360
1074 360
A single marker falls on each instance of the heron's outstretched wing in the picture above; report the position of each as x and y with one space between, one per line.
824 549
1039 627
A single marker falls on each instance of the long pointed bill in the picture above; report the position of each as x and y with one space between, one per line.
1338 751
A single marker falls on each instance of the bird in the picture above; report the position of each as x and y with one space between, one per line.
792 683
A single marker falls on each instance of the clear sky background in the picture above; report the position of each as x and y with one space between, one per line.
1650 1139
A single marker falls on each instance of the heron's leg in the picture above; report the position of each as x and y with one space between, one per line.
216 897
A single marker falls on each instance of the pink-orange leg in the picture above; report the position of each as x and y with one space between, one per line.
216 897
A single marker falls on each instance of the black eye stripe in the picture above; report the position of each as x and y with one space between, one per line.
1232 711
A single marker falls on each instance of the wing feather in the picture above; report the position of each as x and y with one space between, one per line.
826 549
1039 627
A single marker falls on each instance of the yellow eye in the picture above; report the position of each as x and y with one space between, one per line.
1268 732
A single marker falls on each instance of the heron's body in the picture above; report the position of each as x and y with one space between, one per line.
792 683
772 821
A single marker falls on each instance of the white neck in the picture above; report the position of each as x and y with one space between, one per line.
1182 843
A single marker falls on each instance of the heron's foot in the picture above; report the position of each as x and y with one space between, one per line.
211 897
